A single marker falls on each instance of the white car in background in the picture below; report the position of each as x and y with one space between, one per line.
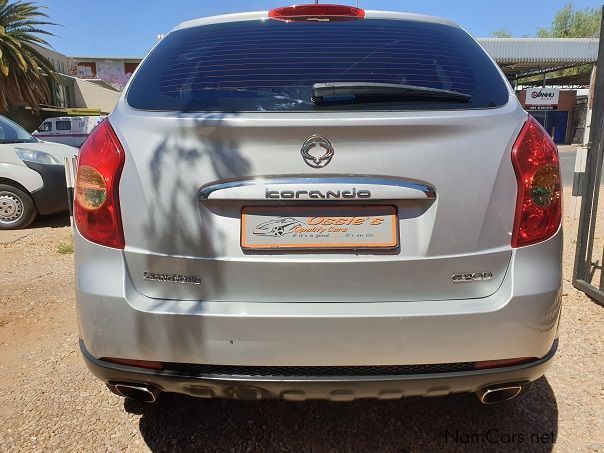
32 176
69 130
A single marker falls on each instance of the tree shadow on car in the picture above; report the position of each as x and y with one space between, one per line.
177 231
453 423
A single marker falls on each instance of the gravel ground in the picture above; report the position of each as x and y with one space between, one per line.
49 401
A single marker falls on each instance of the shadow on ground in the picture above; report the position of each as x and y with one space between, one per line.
454 423
50 221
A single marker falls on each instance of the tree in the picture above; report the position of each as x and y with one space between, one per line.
71 67
572 23
114 80
567 23
501 33
23 70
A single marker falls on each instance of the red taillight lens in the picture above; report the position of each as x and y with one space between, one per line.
318 13
539 203
96 203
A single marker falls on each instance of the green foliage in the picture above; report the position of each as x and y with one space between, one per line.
572 23
502 33
568 23
22 67
66 247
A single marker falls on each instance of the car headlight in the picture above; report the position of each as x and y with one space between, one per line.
37 157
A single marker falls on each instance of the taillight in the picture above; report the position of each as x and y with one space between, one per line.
318 13
539 203
96 202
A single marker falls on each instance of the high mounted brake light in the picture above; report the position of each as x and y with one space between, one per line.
96 205
317 13
539 202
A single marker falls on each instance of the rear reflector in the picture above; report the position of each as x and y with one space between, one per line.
149 364
486 364
318 13
539 202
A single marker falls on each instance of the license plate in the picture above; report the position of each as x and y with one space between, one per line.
320 227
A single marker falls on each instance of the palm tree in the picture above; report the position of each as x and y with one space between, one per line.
23 70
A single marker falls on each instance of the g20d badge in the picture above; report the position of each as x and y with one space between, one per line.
317 152
471 277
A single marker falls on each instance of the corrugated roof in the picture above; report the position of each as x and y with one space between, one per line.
548 51
558 51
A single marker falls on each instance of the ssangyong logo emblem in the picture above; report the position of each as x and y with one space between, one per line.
317 152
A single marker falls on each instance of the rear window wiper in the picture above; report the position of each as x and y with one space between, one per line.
343 92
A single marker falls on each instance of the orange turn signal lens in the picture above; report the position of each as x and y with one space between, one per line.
545 186
91 189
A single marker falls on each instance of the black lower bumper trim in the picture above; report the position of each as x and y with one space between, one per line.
192 369
335 388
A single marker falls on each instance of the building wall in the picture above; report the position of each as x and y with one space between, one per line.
90 95
110 67
58 60
86 70
568 99
105 66
566 103
62 90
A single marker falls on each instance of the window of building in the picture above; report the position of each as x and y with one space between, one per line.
87 70
130 67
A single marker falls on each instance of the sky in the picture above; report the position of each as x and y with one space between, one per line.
128 28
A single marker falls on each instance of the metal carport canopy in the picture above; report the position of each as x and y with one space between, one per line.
518 56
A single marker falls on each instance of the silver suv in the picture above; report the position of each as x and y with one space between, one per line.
318 202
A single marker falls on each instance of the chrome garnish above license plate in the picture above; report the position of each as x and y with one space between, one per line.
321 227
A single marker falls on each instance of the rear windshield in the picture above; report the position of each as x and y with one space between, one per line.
270 65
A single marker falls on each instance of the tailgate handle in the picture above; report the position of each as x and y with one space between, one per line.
333 188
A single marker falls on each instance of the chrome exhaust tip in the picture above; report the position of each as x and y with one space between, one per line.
499 393
138 392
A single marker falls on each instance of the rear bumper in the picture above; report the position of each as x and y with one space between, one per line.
52 197
334 388
519 320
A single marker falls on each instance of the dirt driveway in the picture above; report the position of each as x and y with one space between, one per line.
49 401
